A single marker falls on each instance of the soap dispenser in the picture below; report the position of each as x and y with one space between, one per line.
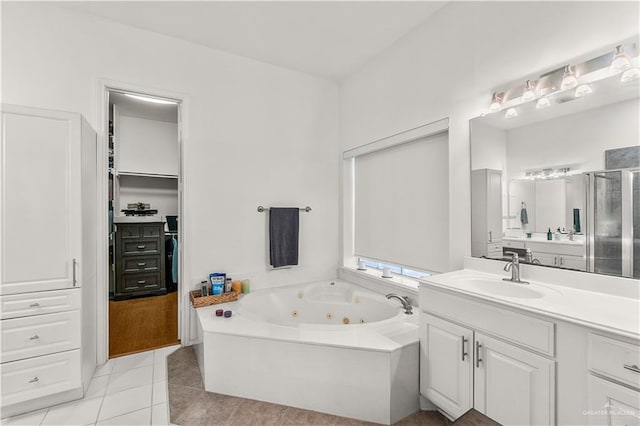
549 235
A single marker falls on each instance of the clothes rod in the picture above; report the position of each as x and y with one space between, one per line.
263 209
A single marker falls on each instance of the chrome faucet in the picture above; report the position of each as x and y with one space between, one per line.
514 267
528 257
571 234
404 300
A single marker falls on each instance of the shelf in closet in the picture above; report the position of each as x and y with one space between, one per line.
149 175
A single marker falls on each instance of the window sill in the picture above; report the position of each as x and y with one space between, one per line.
400 283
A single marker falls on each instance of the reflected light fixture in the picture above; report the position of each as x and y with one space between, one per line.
569 80
151 99
620 61
511 113
529 93
543 102
496 103
582 90
630 75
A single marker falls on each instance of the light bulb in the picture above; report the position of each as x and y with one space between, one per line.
543 103
569 80
529 93
511 113
496 103
582 90
630 75
620 61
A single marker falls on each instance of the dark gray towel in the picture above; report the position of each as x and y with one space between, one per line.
283 236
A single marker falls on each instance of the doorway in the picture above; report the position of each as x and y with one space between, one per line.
143 202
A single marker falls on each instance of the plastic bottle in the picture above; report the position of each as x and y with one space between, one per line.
228 286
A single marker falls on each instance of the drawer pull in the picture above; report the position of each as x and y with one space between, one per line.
141 247
633 368
142 282
34 305
35 379
464 340
142 264
34 337
478 359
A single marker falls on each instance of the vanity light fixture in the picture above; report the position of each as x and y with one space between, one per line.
630 75
529 93
151 99
543 102
569 80
496 102
620 61
582 90
511 113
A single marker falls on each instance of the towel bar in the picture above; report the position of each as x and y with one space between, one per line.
263 209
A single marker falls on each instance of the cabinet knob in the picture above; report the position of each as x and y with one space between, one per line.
34 337
35 379
142 282
141 247
633 368
34 305
142 264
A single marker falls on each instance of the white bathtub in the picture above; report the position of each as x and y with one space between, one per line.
328 346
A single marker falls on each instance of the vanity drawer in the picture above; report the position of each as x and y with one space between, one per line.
614 359
524 330
555 248
513 244
141 264
41 376
44 302
142 247
494 250
39 335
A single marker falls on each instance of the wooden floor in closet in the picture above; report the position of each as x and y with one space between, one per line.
137 325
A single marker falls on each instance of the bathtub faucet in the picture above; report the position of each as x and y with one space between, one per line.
404 300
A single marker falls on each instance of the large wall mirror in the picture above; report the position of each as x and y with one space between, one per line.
560 185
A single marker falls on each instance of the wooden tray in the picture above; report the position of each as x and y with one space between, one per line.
198 301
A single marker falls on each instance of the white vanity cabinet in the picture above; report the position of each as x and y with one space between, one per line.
486 222
475 355
48 224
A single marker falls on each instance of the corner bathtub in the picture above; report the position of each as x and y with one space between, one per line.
328 346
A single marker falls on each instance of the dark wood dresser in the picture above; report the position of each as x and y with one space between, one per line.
140 258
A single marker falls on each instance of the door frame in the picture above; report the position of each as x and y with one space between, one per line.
102 120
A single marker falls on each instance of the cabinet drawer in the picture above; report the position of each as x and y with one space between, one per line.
141 264
39 335
530 332
41 376
45 302
150 231
128 231
136 248
141 282
555 248
513 244
615 359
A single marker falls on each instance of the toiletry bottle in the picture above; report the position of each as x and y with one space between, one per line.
228 287
549 235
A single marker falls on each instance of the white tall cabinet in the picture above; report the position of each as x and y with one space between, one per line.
486 221
48 223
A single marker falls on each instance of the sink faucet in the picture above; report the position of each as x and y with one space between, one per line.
528 257
571 234
404 300
514 266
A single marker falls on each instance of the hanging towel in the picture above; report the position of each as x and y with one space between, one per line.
174 262
283 236
524 217
576 220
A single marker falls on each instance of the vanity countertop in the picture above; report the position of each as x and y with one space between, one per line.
545 241
611 313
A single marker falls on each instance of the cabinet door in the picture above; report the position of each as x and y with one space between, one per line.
547 258
40 200
446 365
612 404
573 262
494 205
513 386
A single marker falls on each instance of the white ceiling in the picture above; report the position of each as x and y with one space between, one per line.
327 38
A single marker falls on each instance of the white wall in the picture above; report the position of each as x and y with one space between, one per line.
449 66
257 134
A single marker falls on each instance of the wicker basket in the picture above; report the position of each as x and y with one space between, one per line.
198 301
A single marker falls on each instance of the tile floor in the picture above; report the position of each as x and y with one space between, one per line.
130 390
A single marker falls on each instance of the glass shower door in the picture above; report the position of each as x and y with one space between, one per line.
635 212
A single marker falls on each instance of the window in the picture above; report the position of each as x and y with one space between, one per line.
401 201
396 269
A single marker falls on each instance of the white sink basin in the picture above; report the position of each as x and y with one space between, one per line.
502 288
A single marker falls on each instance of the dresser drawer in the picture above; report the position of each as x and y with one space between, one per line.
527 331
614 359
39 335
141 264
128 231
41 376
140 247
44 302
150 231
141 282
